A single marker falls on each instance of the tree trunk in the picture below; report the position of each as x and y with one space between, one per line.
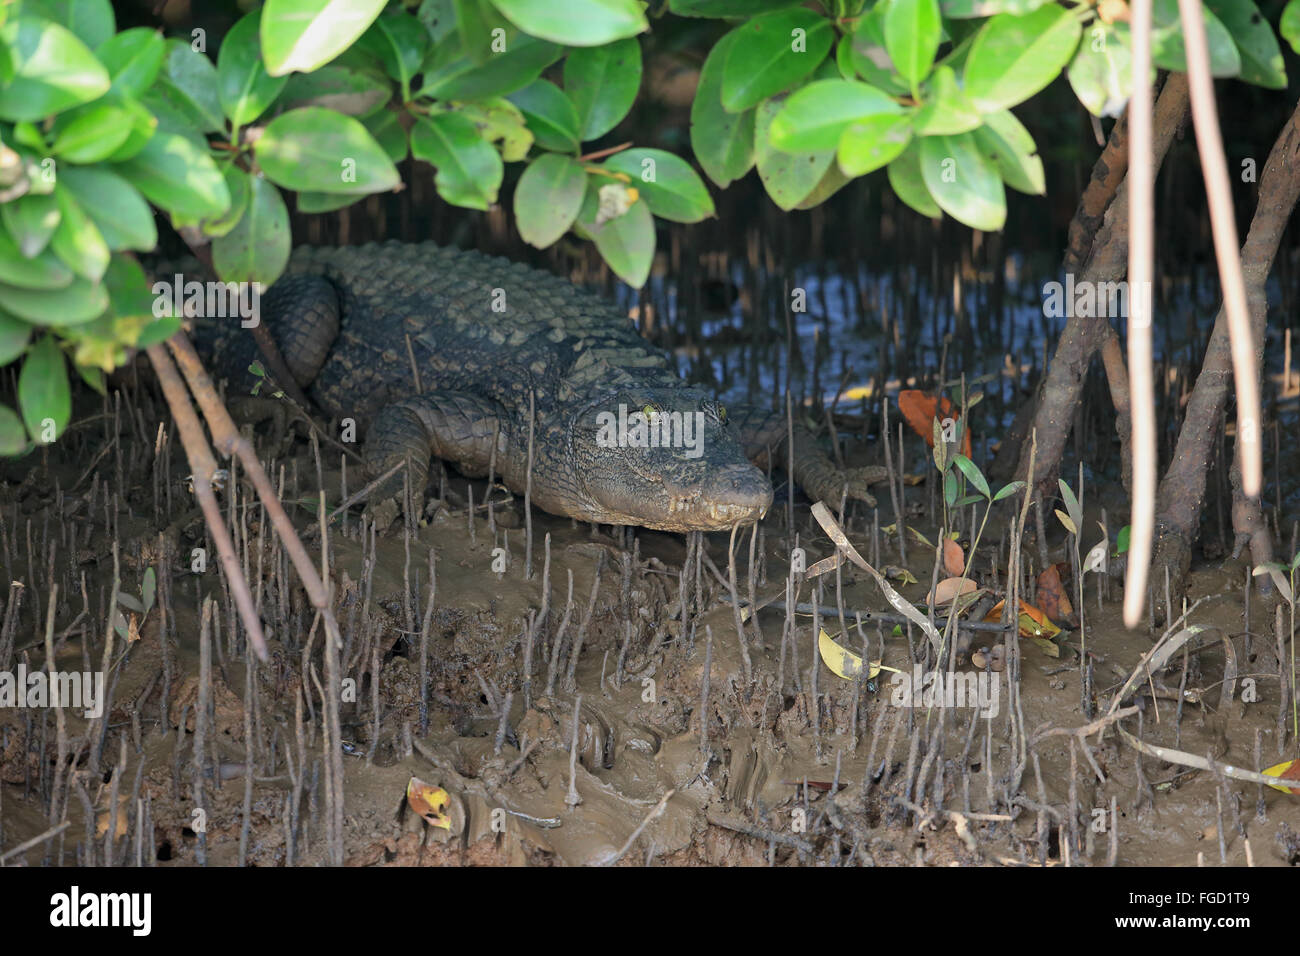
1182 492
1106 261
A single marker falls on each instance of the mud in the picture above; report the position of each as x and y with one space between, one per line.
795 767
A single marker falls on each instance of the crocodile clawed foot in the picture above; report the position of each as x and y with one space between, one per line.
855 483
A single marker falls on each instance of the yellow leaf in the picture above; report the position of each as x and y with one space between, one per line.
429 802
1067 521
844 663
1285 771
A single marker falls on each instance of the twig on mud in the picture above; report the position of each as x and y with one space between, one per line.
36 840
760 833
656 812
365 492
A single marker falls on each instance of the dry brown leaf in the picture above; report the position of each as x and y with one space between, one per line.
948 589
954 559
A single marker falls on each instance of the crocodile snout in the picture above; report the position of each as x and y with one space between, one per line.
738 492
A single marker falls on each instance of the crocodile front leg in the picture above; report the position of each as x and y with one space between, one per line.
759 430
454 426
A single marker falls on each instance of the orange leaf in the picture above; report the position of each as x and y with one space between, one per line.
920 411
954 560
1033 622
1051 595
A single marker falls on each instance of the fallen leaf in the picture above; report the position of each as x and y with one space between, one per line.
954 559
949 588
1033 622
920 410
843 662
429 802
1051 595
1285 771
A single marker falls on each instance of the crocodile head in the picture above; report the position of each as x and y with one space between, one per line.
663 458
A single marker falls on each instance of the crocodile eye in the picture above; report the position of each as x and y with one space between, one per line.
649 411
722 414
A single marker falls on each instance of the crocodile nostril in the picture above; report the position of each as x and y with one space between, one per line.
740 485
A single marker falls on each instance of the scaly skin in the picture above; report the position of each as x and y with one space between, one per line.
487 335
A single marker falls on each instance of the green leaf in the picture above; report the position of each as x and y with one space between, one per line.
1261 60
973 474
788 179
243 85
1013 57
143 125
945 110
344 89
872 143
475 20
257 248
44 271
13 439
723 142
867 55
189 77
91 133
500 123
815 116
513 68
964 184
1009 489
79 301
726 8
92 21
237 185
133 58
551 115
149 588
769 54
1122 539
310 202
627 243
576 22
78 241
548 198
1008 145
31 220
53 70
14 336
1101 72
603 82
388 132
1168 51
670 186
178 177
43 393
966 9
832 181
116 207
401 43
912 32
1289 26
909 184
469 170
318 150
303 35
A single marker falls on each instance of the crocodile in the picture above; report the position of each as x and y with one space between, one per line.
444 353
